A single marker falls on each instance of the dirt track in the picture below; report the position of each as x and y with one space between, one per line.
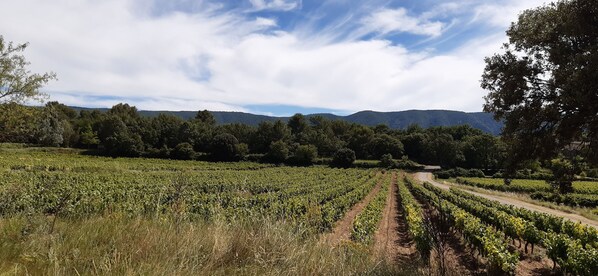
427 177
342 228
392 240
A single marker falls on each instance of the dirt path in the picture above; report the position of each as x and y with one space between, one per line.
424 176
391 240
342 228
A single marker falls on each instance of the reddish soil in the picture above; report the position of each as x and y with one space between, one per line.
535 265
459 258
392 241
342 228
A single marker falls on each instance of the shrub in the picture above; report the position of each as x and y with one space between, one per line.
584 200
183 151
593 173
406 164
459 172
443 174
279 152
387 162
475 173
305 155
224 147
163 152
343 158
241 151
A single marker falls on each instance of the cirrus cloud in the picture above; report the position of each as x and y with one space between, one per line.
397 20
223 58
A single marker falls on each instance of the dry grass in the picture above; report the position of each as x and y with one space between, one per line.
118 245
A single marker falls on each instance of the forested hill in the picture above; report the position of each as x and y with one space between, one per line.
396 120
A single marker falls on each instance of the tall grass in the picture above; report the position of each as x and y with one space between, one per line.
119 245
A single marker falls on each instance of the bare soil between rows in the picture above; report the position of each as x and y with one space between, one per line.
392 241
394 244
536 263
459 258
342 229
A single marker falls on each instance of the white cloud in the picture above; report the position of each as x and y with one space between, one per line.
265 22
105 51
501 15
397 20
145 103
280 5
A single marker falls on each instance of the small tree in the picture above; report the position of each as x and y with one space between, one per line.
183 151
305 155
279 152
18 123
124 143
564 173
242 150
17 84
205 117
343 158
224 147
387 162
297 123
383 144
88 137
51 128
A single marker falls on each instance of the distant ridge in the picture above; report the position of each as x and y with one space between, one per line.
395 120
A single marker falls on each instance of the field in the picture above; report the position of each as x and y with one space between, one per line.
63 213
585 193
526 185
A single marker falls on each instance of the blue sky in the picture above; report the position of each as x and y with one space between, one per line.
273 57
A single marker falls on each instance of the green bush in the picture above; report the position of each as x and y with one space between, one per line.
584 200
387 162
224 147
343 158
183 151
459 172
278 153
305 155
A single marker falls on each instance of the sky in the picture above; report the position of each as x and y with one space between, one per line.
274 57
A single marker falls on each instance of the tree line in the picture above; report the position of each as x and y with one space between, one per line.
122 131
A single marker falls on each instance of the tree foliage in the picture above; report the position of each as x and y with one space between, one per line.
205 117
544 86
305 155
122 131
183 151
279 152
343 158
224 147
17 83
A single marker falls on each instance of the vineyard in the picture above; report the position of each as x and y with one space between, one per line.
585 193
488 226
81 187
526 185
64 213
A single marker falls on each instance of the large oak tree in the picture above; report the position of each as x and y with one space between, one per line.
545 84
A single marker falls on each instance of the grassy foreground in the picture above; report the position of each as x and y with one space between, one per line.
120 245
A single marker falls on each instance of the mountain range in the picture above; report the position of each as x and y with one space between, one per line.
395 120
